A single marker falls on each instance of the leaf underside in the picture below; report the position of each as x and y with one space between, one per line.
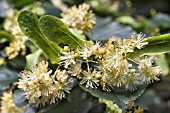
28 23
59 33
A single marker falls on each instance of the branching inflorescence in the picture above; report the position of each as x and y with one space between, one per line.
18 39
93 65
107 66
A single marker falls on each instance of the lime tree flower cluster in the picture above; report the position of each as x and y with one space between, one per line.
18 39
82 18
41 87
107 66
7 104
93 65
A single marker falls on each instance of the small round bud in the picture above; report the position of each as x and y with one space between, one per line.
66 49
95 51
76 55
98 76
102 51
78 76
132 71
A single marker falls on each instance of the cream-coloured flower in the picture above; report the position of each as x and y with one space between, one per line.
15 47
41 87
37 84
111 106
106 83
148 72
132 81
67 58
125 45
18 42
2 61
75 69
85 52
62 89
38 10
139 41
95 48
59 4
132 107
113 67
89 79
82 18
7 104
62 84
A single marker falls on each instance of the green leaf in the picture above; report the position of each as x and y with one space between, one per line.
48 107
156 44
51 9
128 20
56 31
6 82
106 28
28 23
121 98
70 105
162 61
19 98
79 93
102 9
18 63
78 106
7 76
29 109
22 3
5 35
32 59
160 20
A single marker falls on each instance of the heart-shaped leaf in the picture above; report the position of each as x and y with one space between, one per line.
56 31
120 97
28 23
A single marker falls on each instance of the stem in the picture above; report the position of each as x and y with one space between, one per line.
158 39
53 77
88 65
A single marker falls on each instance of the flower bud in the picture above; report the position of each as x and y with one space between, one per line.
76 55
98 76
102 51
132 71
66 49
